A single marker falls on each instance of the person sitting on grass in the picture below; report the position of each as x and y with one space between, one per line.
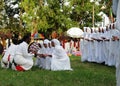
60 59
7 59
23 59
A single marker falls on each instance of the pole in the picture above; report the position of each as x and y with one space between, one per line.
93 17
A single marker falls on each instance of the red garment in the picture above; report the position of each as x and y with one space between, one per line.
19 68
8 57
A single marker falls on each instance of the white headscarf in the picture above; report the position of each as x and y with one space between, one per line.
46 41
56 42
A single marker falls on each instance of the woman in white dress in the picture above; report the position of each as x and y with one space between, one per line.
47 54
60 59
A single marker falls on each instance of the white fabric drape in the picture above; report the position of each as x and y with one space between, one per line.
60 60
22 57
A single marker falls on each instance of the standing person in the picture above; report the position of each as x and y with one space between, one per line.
60 59
115 39
116 8
92 48
107 44
95 37
84 45
23 59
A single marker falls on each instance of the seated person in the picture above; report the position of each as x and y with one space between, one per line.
7 59
60 59
23 59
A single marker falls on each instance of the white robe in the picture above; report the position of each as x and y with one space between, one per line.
106 46
118 16
22 57
84 56
92 48
48 59
111 61
114 48
96 44
118 27
101 56
89 53
38 61
118 67
8 56
60 60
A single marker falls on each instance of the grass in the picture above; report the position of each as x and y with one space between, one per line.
83 74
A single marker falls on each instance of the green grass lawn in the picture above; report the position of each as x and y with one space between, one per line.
83 74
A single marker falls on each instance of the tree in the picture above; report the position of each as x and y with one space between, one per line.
47 15
83 12
3 16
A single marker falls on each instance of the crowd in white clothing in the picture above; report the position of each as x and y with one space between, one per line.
52 56
101 45
49 55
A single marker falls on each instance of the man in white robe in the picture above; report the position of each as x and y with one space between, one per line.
82 46
117 7
114 45
85 45
111 45
8 56
90 46
96 45
60 59
106 44
23 59
7 59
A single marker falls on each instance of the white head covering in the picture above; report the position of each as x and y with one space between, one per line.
56 42
46 41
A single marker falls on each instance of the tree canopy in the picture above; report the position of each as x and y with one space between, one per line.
47 16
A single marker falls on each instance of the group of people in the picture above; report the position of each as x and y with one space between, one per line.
48 55
101 45
52 56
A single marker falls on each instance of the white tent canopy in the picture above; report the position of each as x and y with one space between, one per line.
75 32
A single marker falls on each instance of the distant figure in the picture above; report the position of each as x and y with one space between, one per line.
105 18
60 60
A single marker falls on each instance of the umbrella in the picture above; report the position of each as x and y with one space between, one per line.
75 32
37 36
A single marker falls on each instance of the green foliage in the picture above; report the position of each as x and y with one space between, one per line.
55 16
49 15
2 15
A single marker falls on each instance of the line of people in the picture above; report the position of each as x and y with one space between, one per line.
101 45
49 55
